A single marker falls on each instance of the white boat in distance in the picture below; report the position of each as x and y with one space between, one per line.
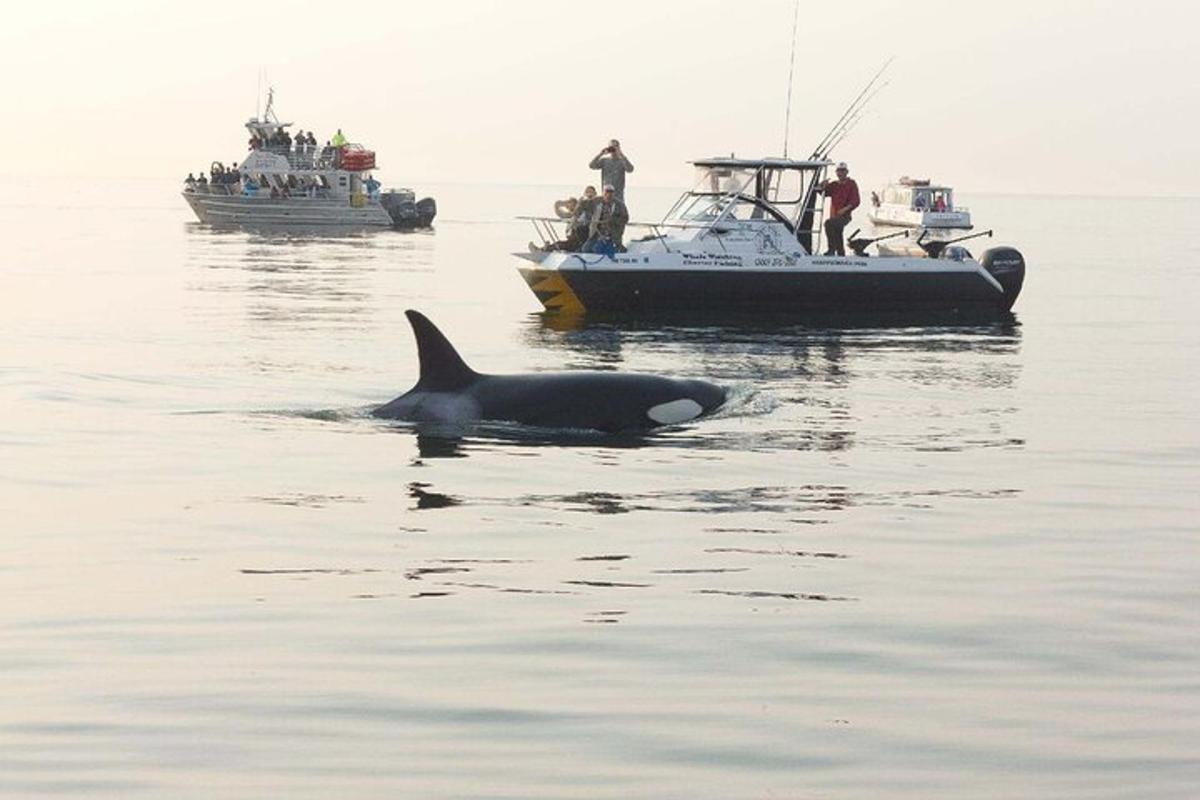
913 203
747 238
305 186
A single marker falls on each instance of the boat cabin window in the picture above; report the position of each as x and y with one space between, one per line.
341 180
783 186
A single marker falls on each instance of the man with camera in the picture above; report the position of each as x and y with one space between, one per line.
613 165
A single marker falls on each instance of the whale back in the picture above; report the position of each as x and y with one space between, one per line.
442 368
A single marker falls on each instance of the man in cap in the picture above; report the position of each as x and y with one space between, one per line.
843 199
608 224
613 165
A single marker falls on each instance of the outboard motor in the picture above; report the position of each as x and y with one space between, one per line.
426 211
1007 266
400 208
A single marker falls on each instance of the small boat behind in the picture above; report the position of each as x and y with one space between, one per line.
918 203
294 182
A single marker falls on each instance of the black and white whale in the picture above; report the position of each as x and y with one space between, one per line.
448 391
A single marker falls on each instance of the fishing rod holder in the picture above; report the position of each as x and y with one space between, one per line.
859 246
934 249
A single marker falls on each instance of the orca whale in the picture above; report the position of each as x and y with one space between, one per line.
448 391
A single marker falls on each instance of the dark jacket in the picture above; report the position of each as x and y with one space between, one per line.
610 219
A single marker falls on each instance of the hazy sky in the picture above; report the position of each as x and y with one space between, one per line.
1050 96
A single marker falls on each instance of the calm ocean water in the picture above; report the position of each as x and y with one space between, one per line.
905 562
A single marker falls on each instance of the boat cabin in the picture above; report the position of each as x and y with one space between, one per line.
919 195
733 195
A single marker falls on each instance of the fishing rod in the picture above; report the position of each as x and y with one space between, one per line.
851 108
852 123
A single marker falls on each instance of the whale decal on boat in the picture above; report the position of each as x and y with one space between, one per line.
448 391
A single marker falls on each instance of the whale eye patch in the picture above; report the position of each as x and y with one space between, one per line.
675 411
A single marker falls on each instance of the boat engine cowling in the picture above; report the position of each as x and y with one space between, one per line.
1007 266
401 208
426 211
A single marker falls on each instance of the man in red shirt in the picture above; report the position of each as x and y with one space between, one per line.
843 199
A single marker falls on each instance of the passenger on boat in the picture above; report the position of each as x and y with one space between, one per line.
339 140
582 225
613 164
372 187
202 180
249 187
608 224
190 180
843 199
579 212
255 142
939 203
565 209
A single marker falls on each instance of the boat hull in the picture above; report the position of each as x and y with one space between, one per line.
907 218
217 209
860 289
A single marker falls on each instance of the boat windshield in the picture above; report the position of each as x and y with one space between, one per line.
724 180
707 208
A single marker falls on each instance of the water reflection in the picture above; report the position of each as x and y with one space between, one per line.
304 278
602 341
426 499
301 235
803 373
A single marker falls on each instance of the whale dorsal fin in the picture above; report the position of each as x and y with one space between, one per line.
442 368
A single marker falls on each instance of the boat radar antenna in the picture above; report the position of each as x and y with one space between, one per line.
787 117
852 114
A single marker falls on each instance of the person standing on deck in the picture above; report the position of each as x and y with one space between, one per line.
613 164
843 199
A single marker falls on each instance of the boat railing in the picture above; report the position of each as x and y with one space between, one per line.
236 190
310 157
548 231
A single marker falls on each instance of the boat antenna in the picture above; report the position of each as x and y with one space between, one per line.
787 118
822 147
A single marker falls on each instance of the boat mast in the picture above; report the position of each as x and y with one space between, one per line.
787 118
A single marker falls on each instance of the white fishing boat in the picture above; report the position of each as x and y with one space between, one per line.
747 237
301 184
918 203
